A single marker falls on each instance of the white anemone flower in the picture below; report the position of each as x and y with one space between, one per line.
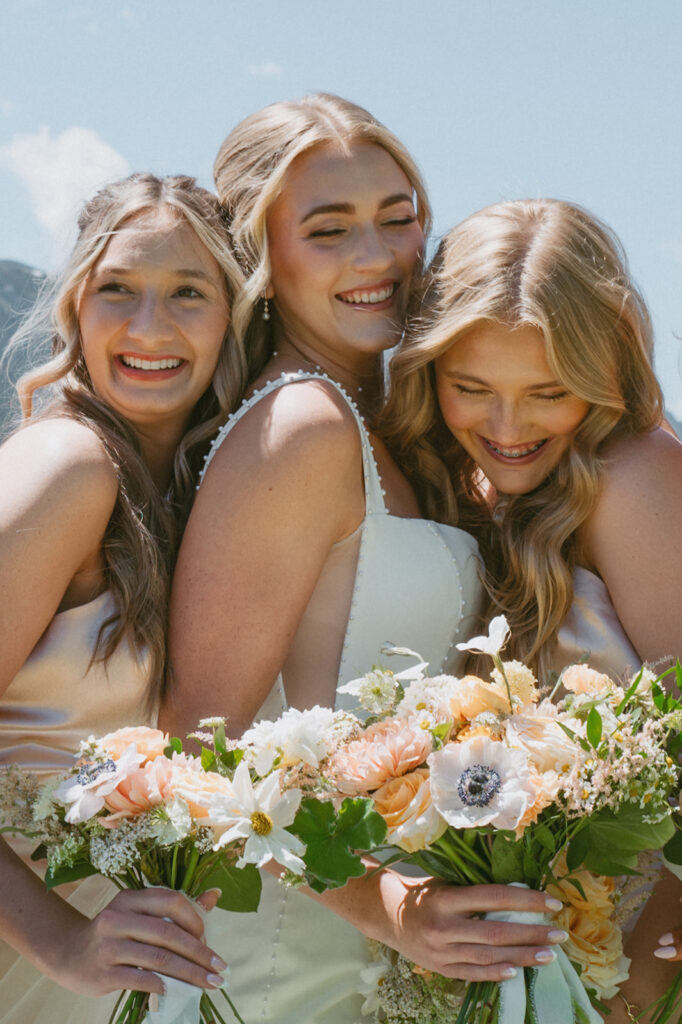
260 815
492 644
480 782
86 791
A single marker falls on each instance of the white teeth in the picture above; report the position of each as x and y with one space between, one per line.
380 295
516 453
150 364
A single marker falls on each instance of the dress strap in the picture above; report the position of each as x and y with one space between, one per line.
374 494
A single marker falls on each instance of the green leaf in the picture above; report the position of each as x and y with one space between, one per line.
594 727
331 838
174 746
506 860
231 758
673 849
615 839
240 887
207 759
40 852
440 734
544 836
82 869
678 674
629 692
219 739
658 694
577 850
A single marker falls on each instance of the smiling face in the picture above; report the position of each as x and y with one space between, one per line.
153 313
343 240
504 405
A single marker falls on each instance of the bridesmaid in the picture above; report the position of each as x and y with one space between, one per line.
526 383
305 552
138 379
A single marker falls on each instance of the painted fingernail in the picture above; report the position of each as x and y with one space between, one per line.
666 940
214 980
557 935
545 956
509 972
665 953
553 904
217 963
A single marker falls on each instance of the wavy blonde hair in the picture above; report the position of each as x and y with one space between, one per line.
141 539
550 265
250 171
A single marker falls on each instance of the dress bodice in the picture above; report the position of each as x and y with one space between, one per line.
61 696
593 628
395 580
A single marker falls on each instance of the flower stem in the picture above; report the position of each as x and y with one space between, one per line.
499 665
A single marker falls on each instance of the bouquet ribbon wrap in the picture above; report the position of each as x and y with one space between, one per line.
554 991
180 1002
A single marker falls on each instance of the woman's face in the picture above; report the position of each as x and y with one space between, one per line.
344 241
153 313
504 405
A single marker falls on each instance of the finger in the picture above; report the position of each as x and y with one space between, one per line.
492 956
484 898
508 933
160 902
471 972
161 933
670 946
209 898
164 961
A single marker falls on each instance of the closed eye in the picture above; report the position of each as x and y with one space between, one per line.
326 232
188 292
462 389
556 397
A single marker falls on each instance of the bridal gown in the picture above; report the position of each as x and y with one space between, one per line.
57 699
405 581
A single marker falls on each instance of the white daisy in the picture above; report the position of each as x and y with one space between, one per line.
260 815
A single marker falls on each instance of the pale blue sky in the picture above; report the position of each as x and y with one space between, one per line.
580 99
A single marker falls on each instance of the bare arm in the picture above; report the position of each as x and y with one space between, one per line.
57 495
285 486
634 541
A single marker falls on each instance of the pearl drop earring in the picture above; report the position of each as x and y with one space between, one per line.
266 308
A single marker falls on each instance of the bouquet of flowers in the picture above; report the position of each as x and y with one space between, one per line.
140 811
483 781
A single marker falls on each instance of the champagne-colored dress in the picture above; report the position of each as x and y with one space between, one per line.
58 698
405 581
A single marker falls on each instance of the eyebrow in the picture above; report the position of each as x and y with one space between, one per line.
193 272
399 197
478 380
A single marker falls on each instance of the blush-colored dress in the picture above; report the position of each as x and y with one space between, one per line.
404 581
57 699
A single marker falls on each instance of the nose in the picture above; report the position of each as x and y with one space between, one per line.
150 323
506 422
372 253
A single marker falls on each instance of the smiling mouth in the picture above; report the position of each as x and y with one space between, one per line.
517 451
377 295
140 363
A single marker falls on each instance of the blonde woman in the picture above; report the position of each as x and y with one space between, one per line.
305 552
525 388
91 484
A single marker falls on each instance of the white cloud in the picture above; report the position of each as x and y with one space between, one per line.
268 69
60 172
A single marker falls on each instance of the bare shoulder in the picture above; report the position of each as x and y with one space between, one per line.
58 461
641 491
306 420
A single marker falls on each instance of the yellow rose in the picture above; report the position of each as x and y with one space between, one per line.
405 805
473 696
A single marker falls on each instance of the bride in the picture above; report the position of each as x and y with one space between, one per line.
305 552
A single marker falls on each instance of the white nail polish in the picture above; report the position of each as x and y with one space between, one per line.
665 952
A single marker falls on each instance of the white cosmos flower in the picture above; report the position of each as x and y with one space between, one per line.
86 790
259 815
371 978
480 782
492 644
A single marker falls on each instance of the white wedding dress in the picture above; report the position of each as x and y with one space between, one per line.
405 581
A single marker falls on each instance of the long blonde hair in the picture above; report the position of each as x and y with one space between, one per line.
249 173
141 538
550 265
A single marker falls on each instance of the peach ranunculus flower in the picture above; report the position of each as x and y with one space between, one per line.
195 786
142 789
406 807
546 786
150 743
595 940
536 730
384 751
583 679
473 696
